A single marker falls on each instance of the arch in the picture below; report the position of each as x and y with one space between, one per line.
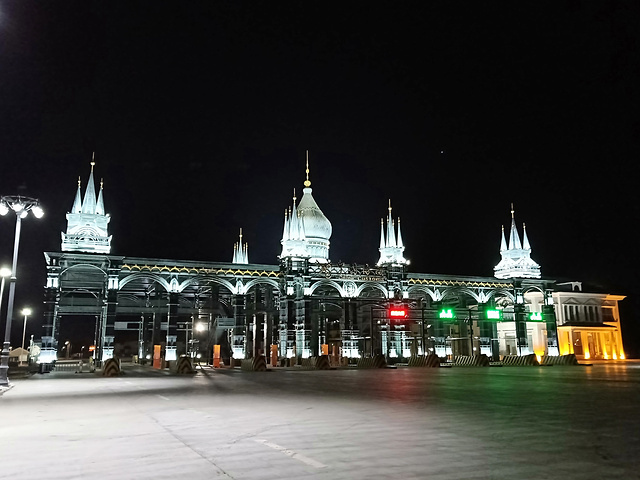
135 276
263 281
328 283
502 291
199 279
533 288
62 272
435 295
78 290
457 291
374 285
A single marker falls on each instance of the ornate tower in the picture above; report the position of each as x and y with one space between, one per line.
516 257
87 223
306 229
391 247
240 251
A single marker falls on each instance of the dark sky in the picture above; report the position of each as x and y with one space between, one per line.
200 114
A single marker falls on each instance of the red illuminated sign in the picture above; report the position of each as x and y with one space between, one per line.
397 313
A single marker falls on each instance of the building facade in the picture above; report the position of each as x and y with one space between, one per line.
304 305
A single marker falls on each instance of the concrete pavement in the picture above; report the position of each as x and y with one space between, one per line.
480 423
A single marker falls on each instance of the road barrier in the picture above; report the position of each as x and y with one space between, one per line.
377 361
471 361
76 366
66 366
111 367
182 366
432 361
515 360
316 363
569 359
255 364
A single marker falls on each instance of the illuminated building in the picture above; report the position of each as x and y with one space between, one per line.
306 305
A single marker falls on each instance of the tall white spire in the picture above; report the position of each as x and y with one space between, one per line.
89 201
308 229
516 258
503 242
240 251
525 239
100 202
77 203
87 223
391 247
514 238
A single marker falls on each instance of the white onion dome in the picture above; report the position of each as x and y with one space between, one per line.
316 225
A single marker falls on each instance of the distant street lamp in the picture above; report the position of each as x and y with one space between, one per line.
21 207
26 312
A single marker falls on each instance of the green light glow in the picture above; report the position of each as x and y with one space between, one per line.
445 313
494 315
535 317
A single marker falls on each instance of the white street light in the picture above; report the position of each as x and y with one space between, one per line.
21 206
26 312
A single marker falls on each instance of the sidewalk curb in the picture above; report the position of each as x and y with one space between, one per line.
5 389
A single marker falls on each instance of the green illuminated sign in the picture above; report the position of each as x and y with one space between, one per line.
494 314
535 317
446 314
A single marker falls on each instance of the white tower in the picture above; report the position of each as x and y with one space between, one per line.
87 223
516 257
240 251
306 230
391 247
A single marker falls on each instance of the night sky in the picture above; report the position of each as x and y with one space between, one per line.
200 114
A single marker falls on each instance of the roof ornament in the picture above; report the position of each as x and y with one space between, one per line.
307 182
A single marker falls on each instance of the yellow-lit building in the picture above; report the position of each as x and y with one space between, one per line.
588 323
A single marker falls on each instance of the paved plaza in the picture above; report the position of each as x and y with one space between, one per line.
405 423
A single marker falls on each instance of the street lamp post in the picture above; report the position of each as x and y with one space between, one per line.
26 312
21 207
4 273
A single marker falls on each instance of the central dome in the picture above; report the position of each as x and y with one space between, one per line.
316 225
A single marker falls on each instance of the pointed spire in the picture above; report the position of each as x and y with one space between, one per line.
391 247
100 202
514 238
294 221
399 235
240 251
307 182
77 203
87 214
516 259
525 239
89 202
285 232
391 236
503 242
